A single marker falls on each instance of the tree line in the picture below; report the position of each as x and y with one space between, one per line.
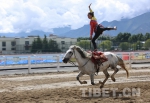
123 41
39 45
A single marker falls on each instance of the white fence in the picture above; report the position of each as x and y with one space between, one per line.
55 60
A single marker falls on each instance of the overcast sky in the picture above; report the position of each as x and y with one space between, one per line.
28 15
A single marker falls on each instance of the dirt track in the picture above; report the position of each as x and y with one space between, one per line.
63 88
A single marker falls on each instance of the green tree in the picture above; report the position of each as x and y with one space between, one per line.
84 44
53 46
124 45
104 38
122 37
130 39
39 44
56 48
147 44
82 38
133 38
147 36
134 46
107 44
45 47
34 46
118 38
140 37
126 37
138 45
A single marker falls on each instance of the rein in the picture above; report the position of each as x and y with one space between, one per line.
71 62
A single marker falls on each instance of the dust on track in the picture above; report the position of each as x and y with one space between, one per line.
63 88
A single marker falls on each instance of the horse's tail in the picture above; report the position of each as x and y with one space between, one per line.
122 64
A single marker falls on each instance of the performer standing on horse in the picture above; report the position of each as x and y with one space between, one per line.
96 28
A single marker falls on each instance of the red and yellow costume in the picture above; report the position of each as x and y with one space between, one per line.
93 24
96 28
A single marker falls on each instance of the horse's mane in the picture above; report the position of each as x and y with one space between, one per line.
81 51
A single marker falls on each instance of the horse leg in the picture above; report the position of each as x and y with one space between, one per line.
106 77
112 76
92 79
79 75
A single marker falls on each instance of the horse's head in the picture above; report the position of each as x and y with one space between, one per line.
69 53
74 52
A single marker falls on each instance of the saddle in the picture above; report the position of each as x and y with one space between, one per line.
98 58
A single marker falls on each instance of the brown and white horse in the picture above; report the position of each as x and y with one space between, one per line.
86 66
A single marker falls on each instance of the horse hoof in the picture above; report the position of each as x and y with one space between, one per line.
93 83
84 82
101 86
113 79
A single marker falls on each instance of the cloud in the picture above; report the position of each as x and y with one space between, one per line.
28 15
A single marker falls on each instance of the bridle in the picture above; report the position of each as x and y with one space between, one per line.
71 62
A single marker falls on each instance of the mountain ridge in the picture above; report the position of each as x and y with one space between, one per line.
138 24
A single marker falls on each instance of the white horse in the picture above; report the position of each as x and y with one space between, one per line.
86 66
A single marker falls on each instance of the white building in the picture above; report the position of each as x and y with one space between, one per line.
63 42
9 45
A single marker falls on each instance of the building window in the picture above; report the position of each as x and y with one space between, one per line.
13 48
62 42
3 43
27 48
26 42
3 48
13 43
62 48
